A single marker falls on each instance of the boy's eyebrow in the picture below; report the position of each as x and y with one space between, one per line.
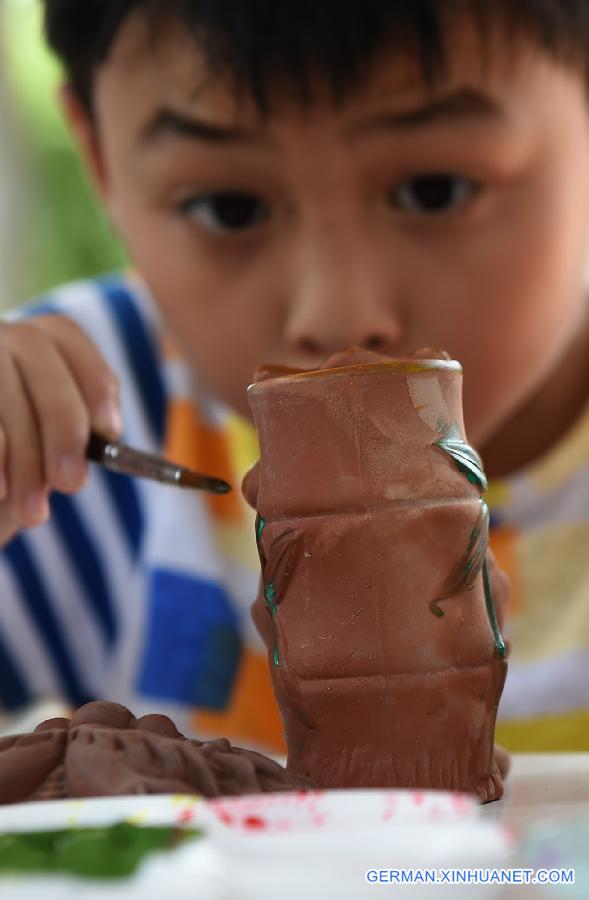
169 121
460 105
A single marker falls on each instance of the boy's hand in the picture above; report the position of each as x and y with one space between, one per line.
54 388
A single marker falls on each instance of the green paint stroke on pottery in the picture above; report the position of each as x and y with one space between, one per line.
436 610
260 525
491 612
466 458
269 589
470 464
270 595
477 549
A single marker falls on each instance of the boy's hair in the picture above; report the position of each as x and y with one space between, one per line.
262 43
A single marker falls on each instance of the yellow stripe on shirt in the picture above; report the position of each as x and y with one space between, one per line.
545 734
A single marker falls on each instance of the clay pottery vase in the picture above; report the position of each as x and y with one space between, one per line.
376 601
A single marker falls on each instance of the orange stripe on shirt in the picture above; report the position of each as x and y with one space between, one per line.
194 443
253 715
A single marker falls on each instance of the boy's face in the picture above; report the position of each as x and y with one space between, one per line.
455 218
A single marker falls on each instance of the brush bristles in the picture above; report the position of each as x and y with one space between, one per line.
204 483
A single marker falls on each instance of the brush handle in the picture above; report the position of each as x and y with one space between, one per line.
126 460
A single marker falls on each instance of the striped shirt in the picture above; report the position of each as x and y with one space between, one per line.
134 591
140 593
540 535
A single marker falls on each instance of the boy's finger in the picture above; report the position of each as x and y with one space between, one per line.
97 383
59 409
503 760
26 496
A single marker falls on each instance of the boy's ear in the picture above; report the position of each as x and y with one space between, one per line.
84 129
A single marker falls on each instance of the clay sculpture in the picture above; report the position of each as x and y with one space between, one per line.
378 600
105 751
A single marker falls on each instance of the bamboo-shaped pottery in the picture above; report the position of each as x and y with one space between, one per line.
376 601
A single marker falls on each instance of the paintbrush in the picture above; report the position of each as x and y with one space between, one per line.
125 460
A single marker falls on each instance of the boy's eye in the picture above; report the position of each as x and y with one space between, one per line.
227 211
433 194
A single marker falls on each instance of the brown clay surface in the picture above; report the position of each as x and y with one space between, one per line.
383 657
105 751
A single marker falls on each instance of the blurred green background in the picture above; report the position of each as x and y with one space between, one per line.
63 234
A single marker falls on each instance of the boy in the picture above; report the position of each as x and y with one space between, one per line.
292 179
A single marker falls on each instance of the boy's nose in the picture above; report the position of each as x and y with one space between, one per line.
332 311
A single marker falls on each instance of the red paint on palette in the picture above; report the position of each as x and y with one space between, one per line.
461 803
255 823
390 807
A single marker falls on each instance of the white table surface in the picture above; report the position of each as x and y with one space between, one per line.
541 787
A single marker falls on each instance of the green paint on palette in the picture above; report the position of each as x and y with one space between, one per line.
276 656
112 852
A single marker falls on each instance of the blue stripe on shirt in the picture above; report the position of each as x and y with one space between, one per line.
494 520
13 691
36 600
141 351
42 308
143 364
85 561
192 644
124 497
